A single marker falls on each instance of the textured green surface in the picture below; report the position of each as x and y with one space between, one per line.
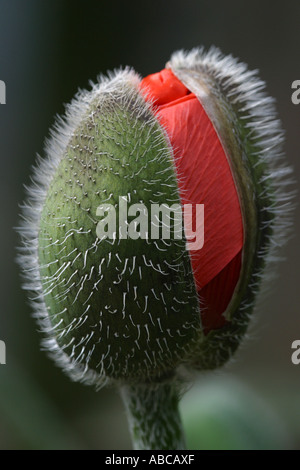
153 416
126 309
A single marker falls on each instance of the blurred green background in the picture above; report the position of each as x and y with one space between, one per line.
47 50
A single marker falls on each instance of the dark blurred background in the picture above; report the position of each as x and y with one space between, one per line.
48 50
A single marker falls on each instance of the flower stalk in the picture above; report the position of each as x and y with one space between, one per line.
153 416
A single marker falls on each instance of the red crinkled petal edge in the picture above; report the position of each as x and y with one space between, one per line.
204 177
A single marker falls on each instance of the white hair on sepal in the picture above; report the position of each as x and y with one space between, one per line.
119 82
118 92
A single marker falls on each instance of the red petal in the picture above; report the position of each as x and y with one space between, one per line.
204 177
216 295
164 87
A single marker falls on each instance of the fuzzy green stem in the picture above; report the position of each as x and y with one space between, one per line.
153 416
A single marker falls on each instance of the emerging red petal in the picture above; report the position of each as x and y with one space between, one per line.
216 295
164 87
204 177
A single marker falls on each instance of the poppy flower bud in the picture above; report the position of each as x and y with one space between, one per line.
117 296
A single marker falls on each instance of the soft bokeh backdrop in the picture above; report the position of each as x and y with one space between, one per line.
48 50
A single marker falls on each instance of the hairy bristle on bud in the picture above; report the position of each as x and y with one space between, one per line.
111 309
